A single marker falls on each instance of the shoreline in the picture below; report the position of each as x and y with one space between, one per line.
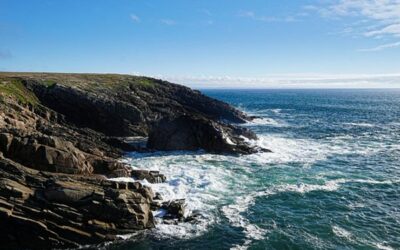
61 136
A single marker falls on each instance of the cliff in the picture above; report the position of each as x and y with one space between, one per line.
60 139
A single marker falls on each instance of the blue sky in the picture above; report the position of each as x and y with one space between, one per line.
220 43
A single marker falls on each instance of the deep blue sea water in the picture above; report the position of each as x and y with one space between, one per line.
332 181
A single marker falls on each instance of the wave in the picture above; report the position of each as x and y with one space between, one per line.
203 180
288 150
383 247
342 233
265 121
359 124
276 111
208 181
396 124
233 213
220 182
371 181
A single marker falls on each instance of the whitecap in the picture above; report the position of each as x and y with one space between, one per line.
287 150
372 181
396 124
342 233
233 213
276 111
265 121
383 247
303 188
359 124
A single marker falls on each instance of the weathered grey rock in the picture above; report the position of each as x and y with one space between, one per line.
52 210
175 209
150 176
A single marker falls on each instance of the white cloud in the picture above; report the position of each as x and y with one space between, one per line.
382 47
252 15
168 22
289 81
378 18
135 18
384 13
393 29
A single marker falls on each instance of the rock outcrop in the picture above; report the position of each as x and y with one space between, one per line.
192 132
60 139
41 210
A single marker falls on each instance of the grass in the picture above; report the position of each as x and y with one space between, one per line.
101 83
15 88
145 82
49 83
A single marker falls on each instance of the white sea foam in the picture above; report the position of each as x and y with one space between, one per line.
265 121
127 236
234 214
303 188
397 124
342 233
198 178
276 111
209 182
359 124
371 181
287 150
383 247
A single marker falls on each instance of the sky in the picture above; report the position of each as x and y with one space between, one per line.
209 43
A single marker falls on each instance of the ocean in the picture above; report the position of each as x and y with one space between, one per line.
331 182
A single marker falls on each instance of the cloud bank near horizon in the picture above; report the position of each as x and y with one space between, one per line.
289 81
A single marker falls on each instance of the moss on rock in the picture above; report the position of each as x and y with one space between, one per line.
13 87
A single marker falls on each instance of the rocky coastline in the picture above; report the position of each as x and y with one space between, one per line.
61 138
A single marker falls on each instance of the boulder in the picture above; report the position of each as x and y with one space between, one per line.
150 176
175 209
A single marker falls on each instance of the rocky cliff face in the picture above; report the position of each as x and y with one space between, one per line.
61 136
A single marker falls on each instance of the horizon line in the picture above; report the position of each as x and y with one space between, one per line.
272 81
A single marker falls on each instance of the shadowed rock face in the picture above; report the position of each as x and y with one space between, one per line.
60 139
128 107
190 132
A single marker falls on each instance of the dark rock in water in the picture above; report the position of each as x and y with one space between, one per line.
194 217
150 176
252 117
190 132
175 209
155 205
60 139
158 196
